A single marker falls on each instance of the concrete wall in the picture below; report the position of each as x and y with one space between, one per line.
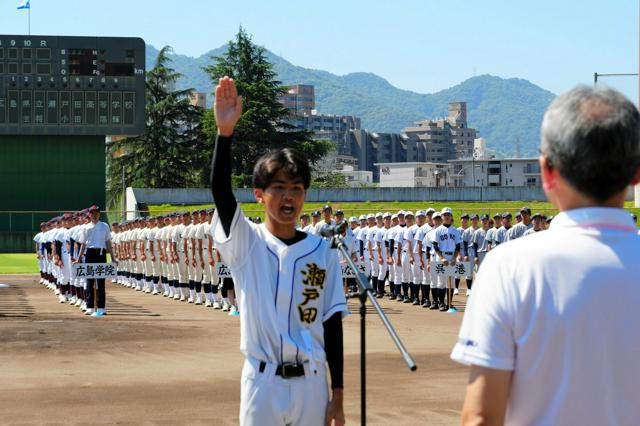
203 196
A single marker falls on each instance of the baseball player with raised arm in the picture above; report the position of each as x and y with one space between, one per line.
289 287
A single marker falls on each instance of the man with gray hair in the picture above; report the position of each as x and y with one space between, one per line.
543 350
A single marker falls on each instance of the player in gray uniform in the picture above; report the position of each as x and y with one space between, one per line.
521 227
446 244
399 239
491 233
382 249
469 251
480 242
536 224
464 224
501 235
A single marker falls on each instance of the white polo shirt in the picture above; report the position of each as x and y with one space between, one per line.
565 321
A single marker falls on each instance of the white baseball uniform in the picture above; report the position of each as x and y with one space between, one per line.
285 292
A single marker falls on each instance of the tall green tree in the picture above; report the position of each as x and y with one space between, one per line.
173 151
263 125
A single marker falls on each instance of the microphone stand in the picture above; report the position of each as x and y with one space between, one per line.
366 292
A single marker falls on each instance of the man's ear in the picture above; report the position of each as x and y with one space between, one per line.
259 194
548 173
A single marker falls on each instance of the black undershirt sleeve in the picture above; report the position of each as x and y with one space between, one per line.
465 245
361 247
458 247
435 247
333 347
475 247
223 197
392 247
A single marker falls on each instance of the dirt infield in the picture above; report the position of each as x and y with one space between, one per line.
154 361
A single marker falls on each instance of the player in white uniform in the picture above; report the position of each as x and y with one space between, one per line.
431 258
327 211
372 249
420 241
468 250
446 244
382 249
389 238
284 379
304 222
464 224
417 263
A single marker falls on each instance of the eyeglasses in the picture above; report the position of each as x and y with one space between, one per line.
281 192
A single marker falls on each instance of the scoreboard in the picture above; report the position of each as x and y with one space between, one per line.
56 85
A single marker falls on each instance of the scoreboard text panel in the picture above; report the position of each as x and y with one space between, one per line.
72 85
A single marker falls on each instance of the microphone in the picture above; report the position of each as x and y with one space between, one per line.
329 231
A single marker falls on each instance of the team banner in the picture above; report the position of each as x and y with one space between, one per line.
459 270
223 270
95 270
347 272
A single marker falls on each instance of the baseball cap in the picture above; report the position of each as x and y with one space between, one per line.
536 216
518 215
473 216
430 210
484 217
497 215
409 213
304 215
526 210
379 215
507 214
446 210
386 215
437 215
421 213
400 213
394 216
353 219
371 216
326 207
464 216
362 217
339 212
315 213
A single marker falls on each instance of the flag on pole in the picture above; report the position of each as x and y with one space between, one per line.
24 4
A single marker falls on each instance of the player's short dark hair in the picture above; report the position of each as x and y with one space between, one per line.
592 137
293 162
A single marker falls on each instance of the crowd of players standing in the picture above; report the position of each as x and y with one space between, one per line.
173 255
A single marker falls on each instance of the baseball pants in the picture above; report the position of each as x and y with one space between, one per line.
269 400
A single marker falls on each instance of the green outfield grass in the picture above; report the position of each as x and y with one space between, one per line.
358 208
18 263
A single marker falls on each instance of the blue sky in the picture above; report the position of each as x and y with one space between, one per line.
424 46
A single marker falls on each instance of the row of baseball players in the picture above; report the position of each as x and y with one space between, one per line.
400 248
173 255
74 238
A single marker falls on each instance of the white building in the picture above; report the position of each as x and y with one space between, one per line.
414 174
496 172
462 173
356 178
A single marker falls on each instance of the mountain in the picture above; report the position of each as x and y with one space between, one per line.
505 111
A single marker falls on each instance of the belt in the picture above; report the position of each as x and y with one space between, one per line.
96 249
286 370
447 252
